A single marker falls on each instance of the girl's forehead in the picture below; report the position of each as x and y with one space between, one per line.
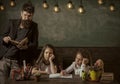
49 49
79 55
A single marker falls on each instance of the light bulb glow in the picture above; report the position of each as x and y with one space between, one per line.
12 3
81 9
56 8
69 5
2 7
100 2
112 7
45 5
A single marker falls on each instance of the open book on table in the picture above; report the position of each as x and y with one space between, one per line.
57 75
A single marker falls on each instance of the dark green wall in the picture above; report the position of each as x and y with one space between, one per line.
98 27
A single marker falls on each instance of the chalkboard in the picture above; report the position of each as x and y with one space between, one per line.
97 27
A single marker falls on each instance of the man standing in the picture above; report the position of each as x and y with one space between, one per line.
20 35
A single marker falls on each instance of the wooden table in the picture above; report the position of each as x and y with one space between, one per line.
45 80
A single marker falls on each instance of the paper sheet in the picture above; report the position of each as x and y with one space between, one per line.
57 75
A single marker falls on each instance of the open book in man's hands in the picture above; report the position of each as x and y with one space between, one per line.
58 75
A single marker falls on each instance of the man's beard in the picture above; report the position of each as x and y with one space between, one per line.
26 23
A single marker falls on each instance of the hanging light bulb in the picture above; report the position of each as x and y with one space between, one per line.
56 8
70 5
12 3
2 7
100 2
45 4
112 7
81 9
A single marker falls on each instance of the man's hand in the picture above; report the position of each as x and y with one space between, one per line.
22 47
24 41
14 42
6 39
23 44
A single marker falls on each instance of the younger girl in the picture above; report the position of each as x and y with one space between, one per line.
46 63
80 64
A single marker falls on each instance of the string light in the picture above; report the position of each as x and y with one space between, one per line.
70 4
2 7
81 8
12 3
112 7
100 2
56 7
45 4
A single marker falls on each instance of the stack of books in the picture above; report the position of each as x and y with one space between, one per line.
107 76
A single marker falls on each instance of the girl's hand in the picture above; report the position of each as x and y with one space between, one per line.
85 61
51 58
63 73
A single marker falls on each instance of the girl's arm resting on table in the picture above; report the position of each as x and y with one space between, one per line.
70 68
38 71
53 68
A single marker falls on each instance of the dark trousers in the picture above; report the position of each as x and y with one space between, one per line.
5 67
